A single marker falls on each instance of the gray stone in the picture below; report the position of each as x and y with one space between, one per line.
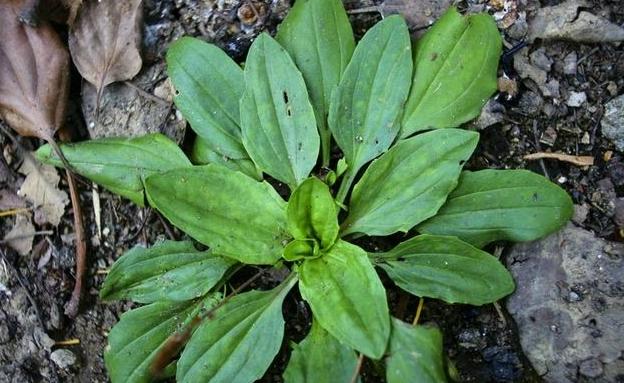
613 122
541 60
63 358
569 305
576 99
570 63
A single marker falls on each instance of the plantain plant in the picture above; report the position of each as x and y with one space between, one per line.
392 109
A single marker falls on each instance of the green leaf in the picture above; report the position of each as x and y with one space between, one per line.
202 154
347 298
120 164
312 213
301 248
409 183
318 36
446 268
455 65
415 354
209 86
320 358
236 216
366 106
169 270
135 340
492 205
239 343
279 127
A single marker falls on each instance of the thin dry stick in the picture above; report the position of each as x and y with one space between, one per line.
177 340
26 235
358 367
147 95
71 308
10 212
421 304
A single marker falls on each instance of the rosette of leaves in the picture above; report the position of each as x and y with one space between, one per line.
392 108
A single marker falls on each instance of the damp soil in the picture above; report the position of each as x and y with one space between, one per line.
481 342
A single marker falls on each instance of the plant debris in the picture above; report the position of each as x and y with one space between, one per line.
576 160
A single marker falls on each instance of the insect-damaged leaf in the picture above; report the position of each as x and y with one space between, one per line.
279 127
250 227
318 36
135 340
239 343
366 106
320 358
173 271
414 354
120 164
446 268
34 75
209 86
492 205
454 72
409 183
347 298
105 39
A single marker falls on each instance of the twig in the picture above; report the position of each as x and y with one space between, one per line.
68 342
576 160
71 308
166 226
421 304
9 212
26 235
358 367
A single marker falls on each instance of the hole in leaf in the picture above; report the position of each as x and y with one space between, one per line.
462 162
285 97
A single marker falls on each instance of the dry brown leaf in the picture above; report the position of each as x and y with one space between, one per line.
40 189
419 14
34 75
105 40
576 160
21 236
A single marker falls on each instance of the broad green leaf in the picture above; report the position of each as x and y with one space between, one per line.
320 358
312 213
448 269
169 270
202 154
279 127
415 354
236 216
238 344
318 36
347 298
301 248
120 164
208 86
134 341
366 106
409 183
492 205
455 71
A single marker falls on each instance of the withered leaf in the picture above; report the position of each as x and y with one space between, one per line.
419 14
22 235
40 188
105 40
34 75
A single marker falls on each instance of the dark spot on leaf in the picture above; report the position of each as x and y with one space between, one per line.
462 162
434 56
401 259
376 142
285 97
299 146
535 197
288 111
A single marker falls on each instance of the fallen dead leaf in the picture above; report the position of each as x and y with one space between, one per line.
576 160
419 14
40 189
565 22
34 75
105 39
21 236
9 200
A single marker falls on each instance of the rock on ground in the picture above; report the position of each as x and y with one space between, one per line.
613 122
569 306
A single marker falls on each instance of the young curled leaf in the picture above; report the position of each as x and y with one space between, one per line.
34 75
173 271
120 164
446 268
493 205
313 214
455 67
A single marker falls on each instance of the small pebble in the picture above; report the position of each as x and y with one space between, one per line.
569 63
576 99
591 368
63 358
